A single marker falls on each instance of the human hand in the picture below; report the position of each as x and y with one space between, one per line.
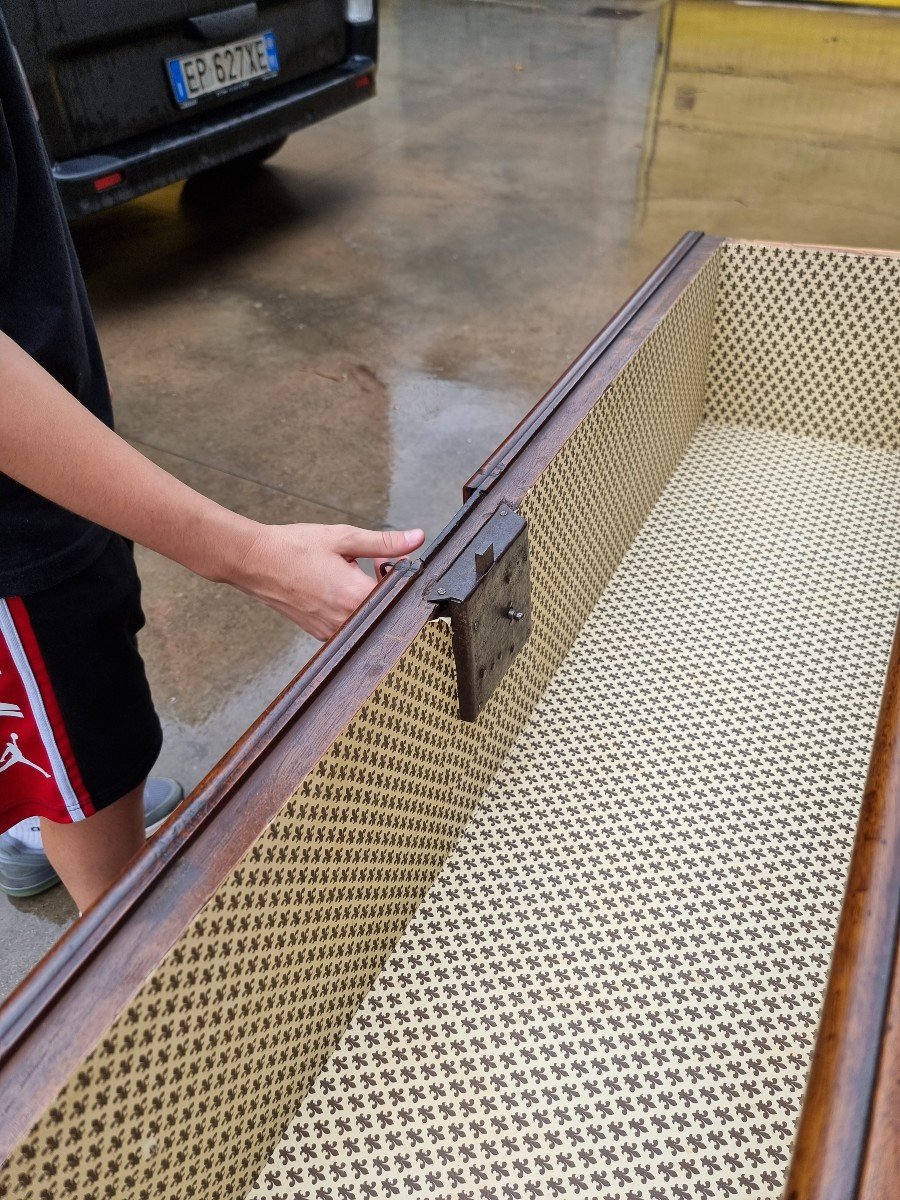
310 573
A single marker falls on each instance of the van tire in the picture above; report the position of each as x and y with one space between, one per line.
244 163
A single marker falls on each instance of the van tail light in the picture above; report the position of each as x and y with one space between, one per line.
105 182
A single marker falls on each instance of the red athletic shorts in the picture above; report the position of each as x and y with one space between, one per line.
77 725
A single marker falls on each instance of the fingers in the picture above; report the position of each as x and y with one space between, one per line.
348 588
309 573
353 585
358 585
379 544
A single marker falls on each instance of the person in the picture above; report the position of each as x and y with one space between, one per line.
77 723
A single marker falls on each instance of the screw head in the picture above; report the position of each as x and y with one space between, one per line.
442 591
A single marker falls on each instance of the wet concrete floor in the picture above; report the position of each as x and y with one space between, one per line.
348 333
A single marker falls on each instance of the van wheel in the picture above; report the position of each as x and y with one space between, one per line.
244 162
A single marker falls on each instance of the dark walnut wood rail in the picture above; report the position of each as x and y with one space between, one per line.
848 1138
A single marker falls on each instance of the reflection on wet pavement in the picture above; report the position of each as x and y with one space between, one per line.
348 333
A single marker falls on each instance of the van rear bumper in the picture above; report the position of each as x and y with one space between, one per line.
165 156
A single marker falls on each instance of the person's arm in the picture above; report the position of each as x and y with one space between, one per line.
57 448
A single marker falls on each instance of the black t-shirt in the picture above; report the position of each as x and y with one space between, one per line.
44 308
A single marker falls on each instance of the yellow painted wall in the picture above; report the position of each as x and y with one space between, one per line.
863 3
777 122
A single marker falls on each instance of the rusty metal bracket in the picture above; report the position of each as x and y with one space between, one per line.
487 595
400 566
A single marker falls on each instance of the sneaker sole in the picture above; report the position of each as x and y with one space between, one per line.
22 893
34 890
151 829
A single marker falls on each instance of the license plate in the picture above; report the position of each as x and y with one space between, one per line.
222 68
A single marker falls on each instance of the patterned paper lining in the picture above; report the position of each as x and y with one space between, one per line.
808 341
613 987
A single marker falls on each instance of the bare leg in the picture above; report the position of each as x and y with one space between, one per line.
89 855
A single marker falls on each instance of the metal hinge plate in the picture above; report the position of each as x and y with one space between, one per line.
487 595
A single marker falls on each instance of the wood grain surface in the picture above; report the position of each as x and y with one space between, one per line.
847 1138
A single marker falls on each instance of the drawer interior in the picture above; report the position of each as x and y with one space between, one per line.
579 946
614 984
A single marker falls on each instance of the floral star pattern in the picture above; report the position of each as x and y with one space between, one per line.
808 341
612 990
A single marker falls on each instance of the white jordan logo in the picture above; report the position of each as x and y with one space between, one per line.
12 755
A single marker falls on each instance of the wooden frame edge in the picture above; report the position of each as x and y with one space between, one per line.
858 1044
881 1159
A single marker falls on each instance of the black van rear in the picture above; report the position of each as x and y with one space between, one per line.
134 94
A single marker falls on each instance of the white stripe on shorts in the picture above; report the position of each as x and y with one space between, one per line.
42 721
